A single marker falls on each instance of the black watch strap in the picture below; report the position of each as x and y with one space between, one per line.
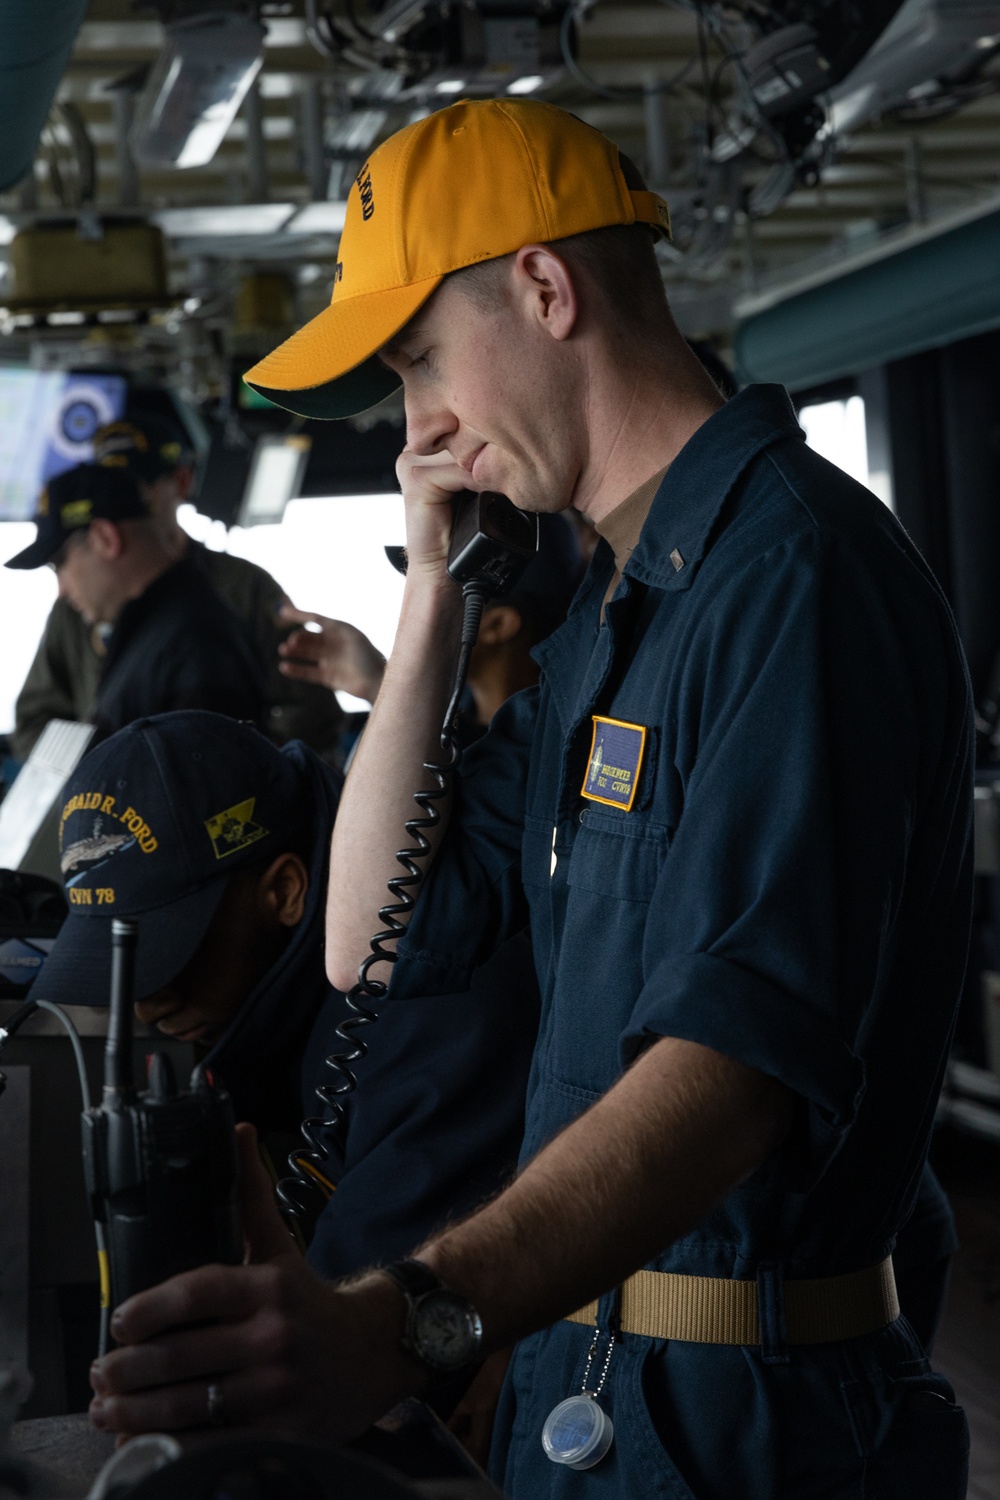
414 1278
424 1289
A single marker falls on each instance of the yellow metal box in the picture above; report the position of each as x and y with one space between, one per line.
54 267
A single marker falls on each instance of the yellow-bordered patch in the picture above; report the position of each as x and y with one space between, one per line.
614 763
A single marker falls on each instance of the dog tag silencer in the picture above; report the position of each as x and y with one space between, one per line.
615 762
577 1432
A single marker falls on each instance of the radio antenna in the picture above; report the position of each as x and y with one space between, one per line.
118 1076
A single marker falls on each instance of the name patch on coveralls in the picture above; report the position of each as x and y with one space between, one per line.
616 752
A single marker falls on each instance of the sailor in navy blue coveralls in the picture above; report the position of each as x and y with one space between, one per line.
785 879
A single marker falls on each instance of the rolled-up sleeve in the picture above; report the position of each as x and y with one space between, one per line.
775 907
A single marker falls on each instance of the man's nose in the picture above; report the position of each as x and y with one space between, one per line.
429 429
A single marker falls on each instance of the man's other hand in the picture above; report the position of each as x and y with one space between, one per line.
284 1349
473 1418
331 652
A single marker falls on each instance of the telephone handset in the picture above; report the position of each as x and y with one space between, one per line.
492 543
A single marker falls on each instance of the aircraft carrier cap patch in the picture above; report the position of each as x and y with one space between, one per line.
152 822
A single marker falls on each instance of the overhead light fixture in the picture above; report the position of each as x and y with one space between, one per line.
198 82
450 86
224 220
984 42
526 85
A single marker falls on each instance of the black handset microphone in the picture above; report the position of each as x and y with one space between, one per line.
160 1165
492 542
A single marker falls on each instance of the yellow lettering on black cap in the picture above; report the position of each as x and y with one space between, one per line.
234 829
76 513
121 432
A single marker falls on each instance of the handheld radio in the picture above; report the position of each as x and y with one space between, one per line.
160 1165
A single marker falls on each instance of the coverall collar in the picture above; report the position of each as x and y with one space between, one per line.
681 521
695 487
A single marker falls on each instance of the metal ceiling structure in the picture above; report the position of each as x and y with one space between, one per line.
272 196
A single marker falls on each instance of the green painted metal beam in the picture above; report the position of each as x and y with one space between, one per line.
944 288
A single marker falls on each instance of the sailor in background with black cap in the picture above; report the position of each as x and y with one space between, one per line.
63 678
174 643
216 843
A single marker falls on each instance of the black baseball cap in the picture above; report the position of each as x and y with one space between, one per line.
147 445
73 499
153 821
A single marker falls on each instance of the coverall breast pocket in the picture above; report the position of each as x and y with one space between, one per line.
612 874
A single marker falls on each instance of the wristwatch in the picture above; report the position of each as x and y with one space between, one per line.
443 1330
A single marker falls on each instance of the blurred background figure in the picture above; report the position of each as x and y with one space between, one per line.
169 640
62 682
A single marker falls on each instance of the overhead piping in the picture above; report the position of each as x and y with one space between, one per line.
36 43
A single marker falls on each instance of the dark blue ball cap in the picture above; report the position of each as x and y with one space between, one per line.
153 821
73 499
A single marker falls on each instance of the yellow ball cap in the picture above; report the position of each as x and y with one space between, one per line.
468 183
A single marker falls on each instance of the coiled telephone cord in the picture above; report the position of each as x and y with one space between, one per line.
304 1193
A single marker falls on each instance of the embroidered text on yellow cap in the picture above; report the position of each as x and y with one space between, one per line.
468 183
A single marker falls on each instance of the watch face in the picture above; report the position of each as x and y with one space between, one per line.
446 1331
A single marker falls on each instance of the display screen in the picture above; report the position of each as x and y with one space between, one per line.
275 478
47 423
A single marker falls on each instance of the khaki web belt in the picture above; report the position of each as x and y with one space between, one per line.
713 1310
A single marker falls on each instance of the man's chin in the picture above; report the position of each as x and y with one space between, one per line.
199 1031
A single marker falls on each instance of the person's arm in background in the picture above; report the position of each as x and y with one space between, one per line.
62 679
333 653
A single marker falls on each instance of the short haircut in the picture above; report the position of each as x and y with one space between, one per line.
619 260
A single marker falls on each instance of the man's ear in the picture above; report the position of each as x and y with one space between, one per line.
543 283
282 890
106 538
501 623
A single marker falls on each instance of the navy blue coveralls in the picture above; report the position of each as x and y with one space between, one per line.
792 888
